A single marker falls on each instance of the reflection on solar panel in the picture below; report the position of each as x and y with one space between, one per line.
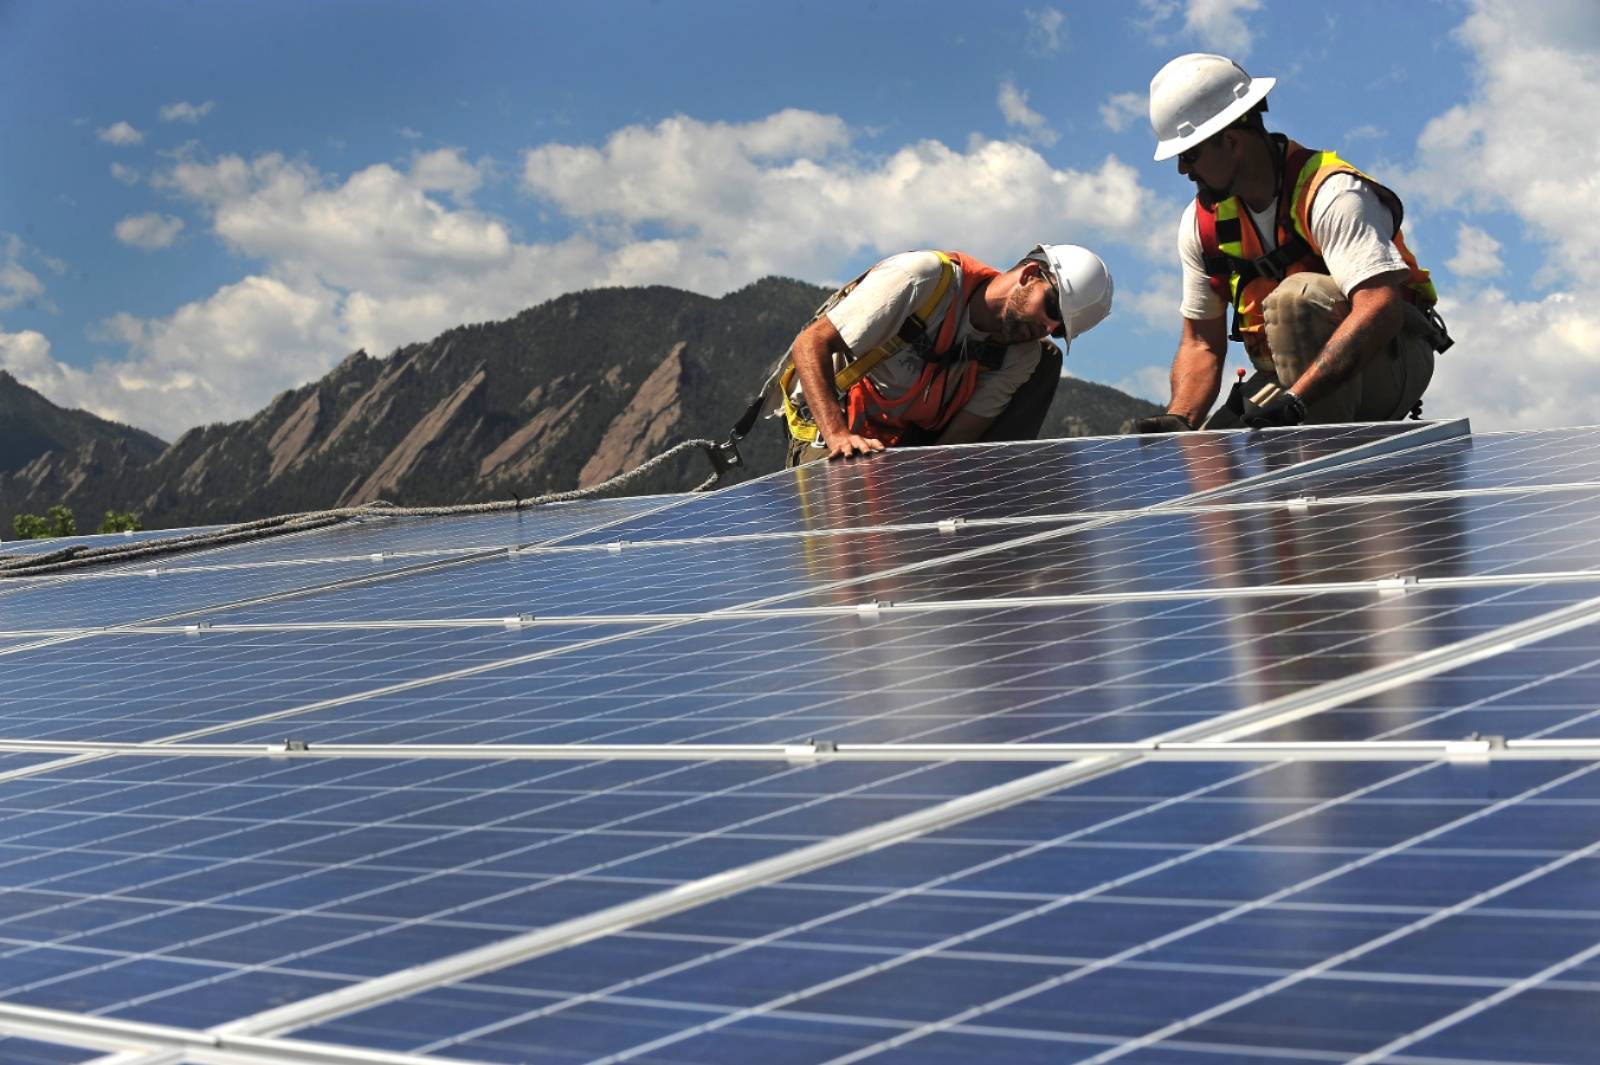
1188 750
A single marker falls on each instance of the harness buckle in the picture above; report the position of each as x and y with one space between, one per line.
1267 266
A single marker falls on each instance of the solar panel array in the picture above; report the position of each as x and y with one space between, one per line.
1273 746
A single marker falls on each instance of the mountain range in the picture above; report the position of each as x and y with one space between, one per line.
565 394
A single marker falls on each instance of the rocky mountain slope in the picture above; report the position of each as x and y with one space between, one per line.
567 393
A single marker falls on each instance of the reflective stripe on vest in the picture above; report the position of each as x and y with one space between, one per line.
1243 272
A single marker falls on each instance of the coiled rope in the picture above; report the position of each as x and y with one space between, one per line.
722 457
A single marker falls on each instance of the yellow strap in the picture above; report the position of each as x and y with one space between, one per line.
802 428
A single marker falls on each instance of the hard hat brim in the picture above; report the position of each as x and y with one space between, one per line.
1172 146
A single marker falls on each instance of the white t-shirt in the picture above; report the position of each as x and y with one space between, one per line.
875 310
1348 222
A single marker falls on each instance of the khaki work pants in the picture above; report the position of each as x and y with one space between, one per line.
1303 312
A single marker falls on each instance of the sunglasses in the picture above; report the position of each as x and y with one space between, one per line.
1189 156
1052 304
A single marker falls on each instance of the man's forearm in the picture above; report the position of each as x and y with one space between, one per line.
1196 379
813 365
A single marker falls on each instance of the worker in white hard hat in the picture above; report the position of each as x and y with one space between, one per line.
1334 312
936 347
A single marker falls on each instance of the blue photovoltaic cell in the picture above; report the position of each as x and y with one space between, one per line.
460 533
1105 672
1549 689
1457 536
191 891
12 761
1489 461
1166 914
1267 912
144 687
123 598
18 1051
1042 479
638 579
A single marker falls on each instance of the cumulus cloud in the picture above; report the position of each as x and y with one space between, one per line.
786 195
1149 382
1045 27
1522 144
388 255
446 170
186 112
1517 364
1124 109
127 175
149 231
121 134
1216 25
1156 304
1477 253
1014 106
18 284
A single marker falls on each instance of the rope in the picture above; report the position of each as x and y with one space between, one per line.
79 557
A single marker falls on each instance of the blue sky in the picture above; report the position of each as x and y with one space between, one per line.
207 203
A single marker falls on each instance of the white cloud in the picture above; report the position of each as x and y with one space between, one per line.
1522 144
26 354
1045 27
1014 106
1525 142
127 175
388 255
18 284
445 170
1156 305
410 134
1216 25
1148 382
1477 253
731 209
1123 109
121 134
1221 25
149 231
1367 132
1517 365
186 112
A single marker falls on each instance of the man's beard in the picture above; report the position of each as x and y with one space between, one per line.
1210 196
1016 327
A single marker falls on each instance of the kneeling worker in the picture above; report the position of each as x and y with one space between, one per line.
1333 310
933 347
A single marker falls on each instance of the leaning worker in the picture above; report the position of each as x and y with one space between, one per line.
1334 312
934 347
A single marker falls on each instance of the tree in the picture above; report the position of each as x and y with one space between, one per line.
61 521
115 522
57 521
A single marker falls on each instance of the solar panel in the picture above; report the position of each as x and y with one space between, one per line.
136 884
1183 750
1100 673
17 1051
1239 910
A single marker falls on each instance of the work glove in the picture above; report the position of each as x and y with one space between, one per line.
1158 423
1281 410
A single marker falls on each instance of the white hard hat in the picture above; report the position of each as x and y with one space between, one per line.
1198 94
1083 285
